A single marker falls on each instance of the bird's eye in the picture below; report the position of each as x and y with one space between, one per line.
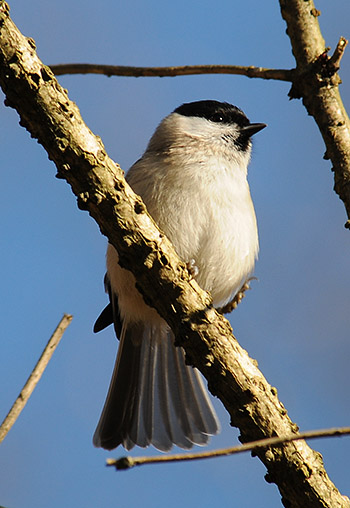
217 118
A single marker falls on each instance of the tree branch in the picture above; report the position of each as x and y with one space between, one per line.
129 462
317 83
183 70
163 279
35 377
315 80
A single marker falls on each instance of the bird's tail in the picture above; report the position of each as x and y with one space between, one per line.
154 397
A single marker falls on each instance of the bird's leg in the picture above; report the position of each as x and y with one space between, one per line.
193 270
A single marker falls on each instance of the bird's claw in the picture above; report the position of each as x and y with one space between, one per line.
192 268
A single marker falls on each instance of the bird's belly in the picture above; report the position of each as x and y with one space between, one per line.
226 261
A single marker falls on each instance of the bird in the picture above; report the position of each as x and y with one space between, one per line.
192 178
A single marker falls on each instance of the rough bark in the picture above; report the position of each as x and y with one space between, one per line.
317 83
48 114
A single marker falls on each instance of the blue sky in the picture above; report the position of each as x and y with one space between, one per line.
295 321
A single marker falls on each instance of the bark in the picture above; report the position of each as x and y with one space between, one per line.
317 83
34 377
80 157
180 70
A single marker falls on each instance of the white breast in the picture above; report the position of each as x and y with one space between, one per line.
205 209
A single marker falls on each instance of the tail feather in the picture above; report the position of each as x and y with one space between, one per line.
121 397
151 421
143 414
179 375
202 420
154 397
163 432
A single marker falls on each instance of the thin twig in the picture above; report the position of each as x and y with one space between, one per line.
129 462
183 70
338 53
81 159
35 376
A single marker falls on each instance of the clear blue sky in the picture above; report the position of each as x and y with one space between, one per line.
295 321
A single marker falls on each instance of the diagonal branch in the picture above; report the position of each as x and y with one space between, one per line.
80 157
317 83
183 70
34 377
128 462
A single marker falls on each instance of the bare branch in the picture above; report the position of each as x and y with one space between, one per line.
317 83
34 377
183 70
334 61
162 278
129 462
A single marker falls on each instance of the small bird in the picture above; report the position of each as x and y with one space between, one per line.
193 180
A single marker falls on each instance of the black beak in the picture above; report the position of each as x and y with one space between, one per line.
252 128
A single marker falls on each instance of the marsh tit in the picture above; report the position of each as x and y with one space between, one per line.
193 180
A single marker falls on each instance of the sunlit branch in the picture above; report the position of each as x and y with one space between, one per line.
34 377
183 70
129 462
